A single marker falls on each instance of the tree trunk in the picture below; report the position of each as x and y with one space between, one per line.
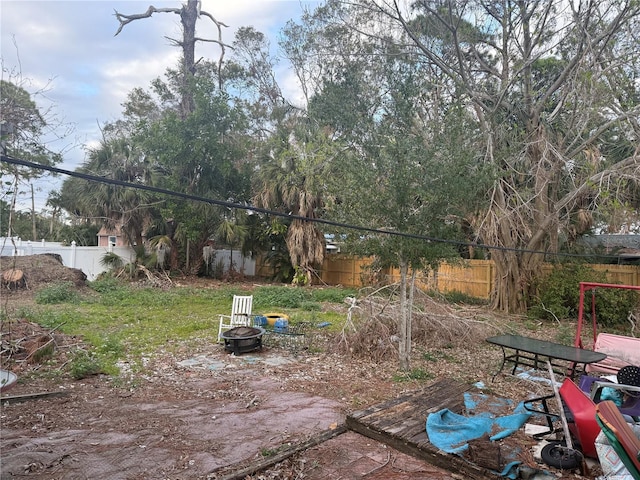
52 220
188 18
507 293
529 227
404 322
33 216
412 289
13 279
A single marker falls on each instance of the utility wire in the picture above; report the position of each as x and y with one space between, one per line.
239 206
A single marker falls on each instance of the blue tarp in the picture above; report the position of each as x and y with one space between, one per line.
451 432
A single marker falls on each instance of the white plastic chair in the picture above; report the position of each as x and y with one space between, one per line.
240 314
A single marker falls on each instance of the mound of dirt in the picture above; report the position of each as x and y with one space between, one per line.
41 270
25 345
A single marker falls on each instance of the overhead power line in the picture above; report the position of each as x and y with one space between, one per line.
251 208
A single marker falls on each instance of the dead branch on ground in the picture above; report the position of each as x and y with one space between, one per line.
372 328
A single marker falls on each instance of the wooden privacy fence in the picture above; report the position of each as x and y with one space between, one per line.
471 277
623 274
474 277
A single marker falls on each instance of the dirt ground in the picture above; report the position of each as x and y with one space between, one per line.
207 414
203 420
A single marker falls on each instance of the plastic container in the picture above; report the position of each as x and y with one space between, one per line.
281 325
273 317
259 321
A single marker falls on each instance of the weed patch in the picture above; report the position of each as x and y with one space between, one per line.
331 294
281 297
415 374
84 365
58 293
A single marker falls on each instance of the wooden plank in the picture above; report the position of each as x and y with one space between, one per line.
439 392
414 415
284 454
383 416
410 413
368 411
428 453
382 406
401 424
421 438
32 396
407 429
413 429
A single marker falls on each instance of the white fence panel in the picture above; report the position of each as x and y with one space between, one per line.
244 265
86 259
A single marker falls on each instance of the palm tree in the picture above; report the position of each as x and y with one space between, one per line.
116 158
162 246
232 233
291 182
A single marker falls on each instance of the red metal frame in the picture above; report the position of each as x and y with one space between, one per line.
585 286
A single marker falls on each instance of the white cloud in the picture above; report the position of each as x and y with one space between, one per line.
290 86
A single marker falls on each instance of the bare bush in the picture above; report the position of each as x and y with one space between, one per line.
371 330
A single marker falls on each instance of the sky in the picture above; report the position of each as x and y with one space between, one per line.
66 55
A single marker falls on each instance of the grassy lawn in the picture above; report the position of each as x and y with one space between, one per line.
119 321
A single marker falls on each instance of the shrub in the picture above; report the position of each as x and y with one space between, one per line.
59 293
455 296
106 284
84 365
112 261
559 295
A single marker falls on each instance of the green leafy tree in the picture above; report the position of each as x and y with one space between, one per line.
82 232
22 130
400 145
293 155
407 184
292 180
202 154
249 77
117 158
23 127
549 84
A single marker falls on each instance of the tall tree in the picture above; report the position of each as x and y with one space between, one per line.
116 207
293 155
547 83
23 128
405 182
292 180
189 13
387 122
202 154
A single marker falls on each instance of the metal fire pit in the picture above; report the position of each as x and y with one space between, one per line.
7 380
243 339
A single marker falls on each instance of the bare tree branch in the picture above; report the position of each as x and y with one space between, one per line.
126 19
189 13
